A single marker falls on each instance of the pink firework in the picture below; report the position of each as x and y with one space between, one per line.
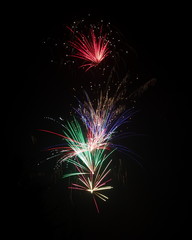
93 49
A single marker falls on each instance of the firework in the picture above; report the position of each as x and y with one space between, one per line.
87 144
77 145
90 164
101 125
94 183
84 147
103 120
93 49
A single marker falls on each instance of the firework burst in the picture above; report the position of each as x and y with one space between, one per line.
93 183
103 119
93 49
77 145
90 164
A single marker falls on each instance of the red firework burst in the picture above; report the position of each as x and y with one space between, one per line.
93 49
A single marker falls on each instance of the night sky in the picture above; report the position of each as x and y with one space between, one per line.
153 203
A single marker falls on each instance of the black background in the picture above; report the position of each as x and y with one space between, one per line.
154 202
